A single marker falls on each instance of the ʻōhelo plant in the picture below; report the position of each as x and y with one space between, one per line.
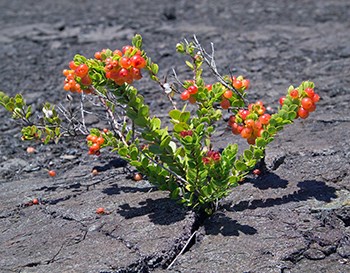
181 158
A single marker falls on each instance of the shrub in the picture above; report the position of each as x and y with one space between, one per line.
180 159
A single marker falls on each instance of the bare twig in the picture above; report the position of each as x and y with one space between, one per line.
182 250
115 122
210 61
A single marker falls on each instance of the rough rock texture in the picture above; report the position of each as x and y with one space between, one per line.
293 218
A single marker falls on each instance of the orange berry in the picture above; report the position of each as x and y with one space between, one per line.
52 173
35 201
30 150
100 211
100 140
137 177
256 172
225 104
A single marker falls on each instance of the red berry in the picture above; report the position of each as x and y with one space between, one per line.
86 80
35 201
192 100
100 211
249 123
137 177
237 84
243 113
316 98
72 65
256 172
192 89
98 55
228 94
236 129
123 73
52 173
117 52
245 83
225 104
138 61
81 70
30 150
125 62
231 120
247 132
136 73
100 140
209 87
251 140
313 108
281 100
185 95
105 130
294 93
307 103
303 113
264 119
94 147
309 92
127 49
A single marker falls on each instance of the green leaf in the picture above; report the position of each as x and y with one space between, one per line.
123 152
175 193
260 142
175 114
165 142
135 163
180 127
154 68
292 115
155 123
258 153
200 128
155 149
248 155
137 41
180 48
189 64
172 145
240 166
185 116
144 111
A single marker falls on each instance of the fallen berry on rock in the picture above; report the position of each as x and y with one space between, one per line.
137 177
30 150
100 211
257 172
35 201
52 173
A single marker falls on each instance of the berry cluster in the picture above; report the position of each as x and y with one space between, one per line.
95 143
250 123
122 66
191 91
77 78
211 157
240 84
185 133
306 99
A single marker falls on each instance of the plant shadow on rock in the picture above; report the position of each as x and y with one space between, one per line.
268 181
307 189
115 189
162 211
220 223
